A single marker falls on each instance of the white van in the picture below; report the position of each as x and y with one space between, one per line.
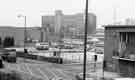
42 46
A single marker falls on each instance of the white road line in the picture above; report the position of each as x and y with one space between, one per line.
43 74
31 71
72 75
32 74
22 67
70 72
52 72
11 68
46 72
27 67
6 65
60 71
18 67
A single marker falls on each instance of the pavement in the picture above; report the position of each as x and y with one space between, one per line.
43 70
48 71
105 74
96 72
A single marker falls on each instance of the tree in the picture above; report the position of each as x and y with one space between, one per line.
12 41
5 42
8 42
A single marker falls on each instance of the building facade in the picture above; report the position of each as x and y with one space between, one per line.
69 25
119 49
17 33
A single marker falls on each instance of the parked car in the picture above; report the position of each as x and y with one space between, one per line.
9 56
42 46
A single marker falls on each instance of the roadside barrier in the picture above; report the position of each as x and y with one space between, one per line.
40 58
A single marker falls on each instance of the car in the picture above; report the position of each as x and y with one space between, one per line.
42 46
9 56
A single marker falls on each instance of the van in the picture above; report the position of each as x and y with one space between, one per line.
42 46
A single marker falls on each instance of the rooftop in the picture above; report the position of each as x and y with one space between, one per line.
119 26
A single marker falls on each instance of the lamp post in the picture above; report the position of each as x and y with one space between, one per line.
25 32
85 41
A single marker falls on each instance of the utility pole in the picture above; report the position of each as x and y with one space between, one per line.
25 32
41 34
85 41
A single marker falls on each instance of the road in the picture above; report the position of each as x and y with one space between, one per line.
68 55
40 69
46 70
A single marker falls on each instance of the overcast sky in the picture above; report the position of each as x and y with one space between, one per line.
33 9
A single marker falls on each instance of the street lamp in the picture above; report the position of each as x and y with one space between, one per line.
25 33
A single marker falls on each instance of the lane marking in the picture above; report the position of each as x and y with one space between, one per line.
70 74
17 67
27 67
42 74
50 76
31 72
52 72
62 73
11 67
22 68
59 74
6 65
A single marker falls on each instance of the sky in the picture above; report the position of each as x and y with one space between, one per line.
34 9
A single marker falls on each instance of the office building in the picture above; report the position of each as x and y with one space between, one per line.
68 25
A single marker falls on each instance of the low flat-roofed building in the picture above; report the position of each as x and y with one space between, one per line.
119 49
18 33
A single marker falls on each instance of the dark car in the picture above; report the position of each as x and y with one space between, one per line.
9 56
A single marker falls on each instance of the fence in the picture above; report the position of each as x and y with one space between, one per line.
78 58
67 57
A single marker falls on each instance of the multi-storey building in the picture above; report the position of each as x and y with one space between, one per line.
69 25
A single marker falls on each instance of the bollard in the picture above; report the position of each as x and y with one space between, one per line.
95 60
